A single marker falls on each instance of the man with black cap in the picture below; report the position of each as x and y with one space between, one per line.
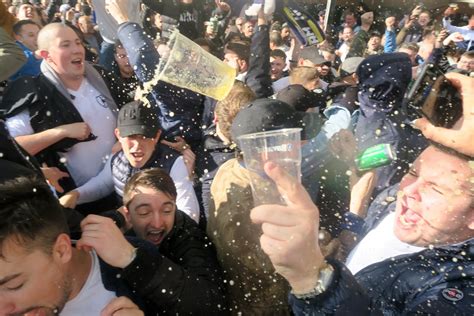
138 131
310 57
256 289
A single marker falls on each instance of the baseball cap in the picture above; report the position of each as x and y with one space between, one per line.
135 118
311 53
269 114
301 98
349 66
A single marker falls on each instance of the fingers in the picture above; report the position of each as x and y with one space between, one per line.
274 214
58 188
288 186
284 233
120 304
94 219
463 83
61 174
271 247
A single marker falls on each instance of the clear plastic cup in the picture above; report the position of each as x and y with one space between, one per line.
189 66
282 147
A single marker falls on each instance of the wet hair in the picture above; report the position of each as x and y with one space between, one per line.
154 178
17 27
30 214
278 53
239 96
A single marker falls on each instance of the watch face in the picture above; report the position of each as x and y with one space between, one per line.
325 279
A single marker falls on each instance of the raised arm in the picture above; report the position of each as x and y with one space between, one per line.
258 75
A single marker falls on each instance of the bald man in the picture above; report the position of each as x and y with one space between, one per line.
68 116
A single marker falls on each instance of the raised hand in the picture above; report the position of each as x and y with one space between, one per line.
290 233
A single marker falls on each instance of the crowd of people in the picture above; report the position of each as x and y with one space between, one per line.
124 195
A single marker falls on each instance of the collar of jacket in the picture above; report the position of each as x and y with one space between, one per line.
94 78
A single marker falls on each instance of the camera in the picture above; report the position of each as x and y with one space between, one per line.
434 97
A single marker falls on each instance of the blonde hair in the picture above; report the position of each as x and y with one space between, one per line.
303 75
239 96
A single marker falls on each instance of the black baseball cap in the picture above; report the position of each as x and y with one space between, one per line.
300 98
136 118
312 54
264 115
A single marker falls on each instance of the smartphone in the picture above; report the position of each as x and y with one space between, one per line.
434 97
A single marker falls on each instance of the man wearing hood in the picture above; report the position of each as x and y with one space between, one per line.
383 80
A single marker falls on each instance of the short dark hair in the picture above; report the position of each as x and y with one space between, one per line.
19 25
154 178
30 213
278 53
469 54
240 48
375 34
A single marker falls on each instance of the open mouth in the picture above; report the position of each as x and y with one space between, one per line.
77 61
408 217
137 155
155 236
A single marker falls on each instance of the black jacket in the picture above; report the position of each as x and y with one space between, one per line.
48 108
185 278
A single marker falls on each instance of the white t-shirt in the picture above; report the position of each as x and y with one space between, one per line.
378 245
85 159
103 184
344 49
93 296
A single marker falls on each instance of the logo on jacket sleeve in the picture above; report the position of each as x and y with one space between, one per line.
101 100
452 294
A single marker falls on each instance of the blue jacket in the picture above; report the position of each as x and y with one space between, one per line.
32 66
180 109
438 281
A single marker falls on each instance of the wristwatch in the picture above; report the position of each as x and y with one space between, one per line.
324 280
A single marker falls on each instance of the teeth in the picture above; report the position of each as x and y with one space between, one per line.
155 233
403 220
